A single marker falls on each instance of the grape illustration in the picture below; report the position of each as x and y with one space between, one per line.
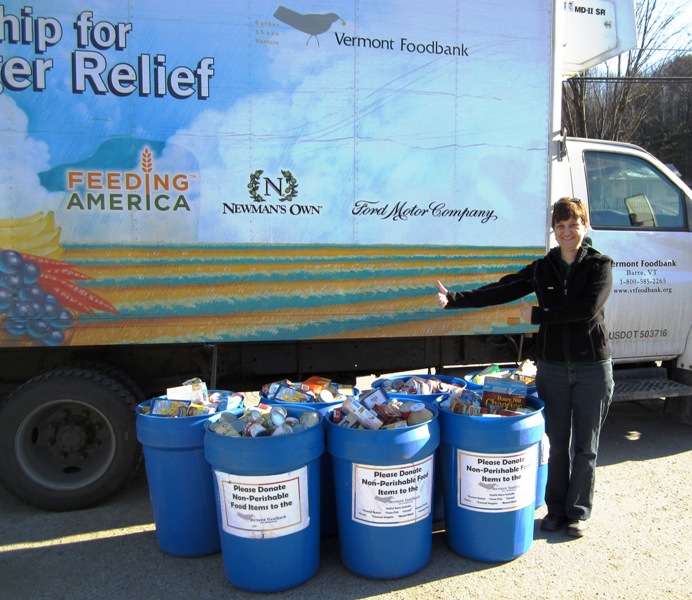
15 326
24 311
10 261
5 298
62 320
27 308
32 293
30 271
12 282
54 338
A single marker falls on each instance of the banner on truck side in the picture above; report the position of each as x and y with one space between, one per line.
266 170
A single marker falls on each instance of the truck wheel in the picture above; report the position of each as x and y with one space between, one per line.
68 439
114 373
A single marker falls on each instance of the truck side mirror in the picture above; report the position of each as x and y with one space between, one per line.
640 211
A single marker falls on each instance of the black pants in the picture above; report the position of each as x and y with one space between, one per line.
577 397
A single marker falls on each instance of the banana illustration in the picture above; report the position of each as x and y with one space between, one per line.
35 234
23 221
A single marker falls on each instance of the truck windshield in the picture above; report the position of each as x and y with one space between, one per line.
628 192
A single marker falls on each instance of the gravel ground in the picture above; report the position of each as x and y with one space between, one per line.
639 542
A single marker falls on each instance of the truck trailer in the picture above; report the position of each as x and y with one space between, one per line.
250 191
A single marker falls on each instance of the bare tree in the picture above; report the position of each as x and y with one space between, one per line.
610 101
667 131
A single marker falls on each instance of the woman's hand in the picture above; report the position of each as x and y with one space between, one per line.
525 311
442 295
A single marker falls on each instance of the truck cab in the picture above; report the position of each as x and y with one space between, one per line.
641 216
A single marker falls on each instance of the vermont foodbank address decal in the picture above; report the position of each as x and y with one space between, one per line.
643 276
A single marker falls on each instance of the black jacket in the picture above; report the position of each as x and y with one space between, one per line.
570 313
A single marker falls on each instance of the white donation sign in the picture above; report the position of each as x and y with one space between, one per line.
264 506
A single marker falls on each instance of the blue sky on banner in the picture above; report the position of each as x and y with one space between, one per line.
292 104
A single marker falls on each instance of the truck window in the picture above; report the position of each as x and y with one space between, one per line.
626 192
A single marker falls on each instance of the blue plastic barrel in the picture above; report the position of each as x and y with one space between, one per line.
383 481
329 524
543 455
542 477
438 497
489 469
268 505
180 480
427 398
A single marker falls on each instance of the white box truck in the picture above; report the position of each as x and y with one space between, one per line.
249 191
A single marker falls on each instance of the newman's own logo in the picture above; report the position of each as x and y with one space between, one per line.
128 190
262 189
287 194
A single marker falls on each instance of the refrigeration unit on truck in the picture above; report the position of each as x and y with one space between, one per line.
243 192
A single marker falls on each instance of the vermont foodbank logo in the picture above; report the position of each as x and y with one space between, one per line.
316 24
143 190
266 191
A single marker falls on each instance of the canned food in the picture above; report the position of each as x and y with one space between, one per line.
253 414
218 426
282 429
419 414
255 429
310 419
238 425
227 416
277 415
224 428
326 396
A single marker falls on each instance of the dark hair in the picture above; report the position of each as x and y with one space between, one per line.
569 208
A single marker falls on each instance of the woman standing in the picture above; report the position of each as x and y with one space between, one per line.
574 370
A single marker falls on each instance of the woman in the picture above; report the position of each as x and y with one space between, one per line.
574 370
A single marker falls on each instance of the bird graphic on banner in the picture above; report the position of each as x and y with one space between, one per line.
312 24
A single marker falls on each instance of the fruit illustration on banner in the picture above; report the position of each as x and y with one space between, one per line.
40 297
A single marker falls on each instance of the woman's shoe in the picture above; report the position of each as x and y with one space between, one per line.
553 522
576 528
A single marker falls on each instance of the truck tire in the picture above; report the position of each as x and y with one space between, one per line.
114 373
68 439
